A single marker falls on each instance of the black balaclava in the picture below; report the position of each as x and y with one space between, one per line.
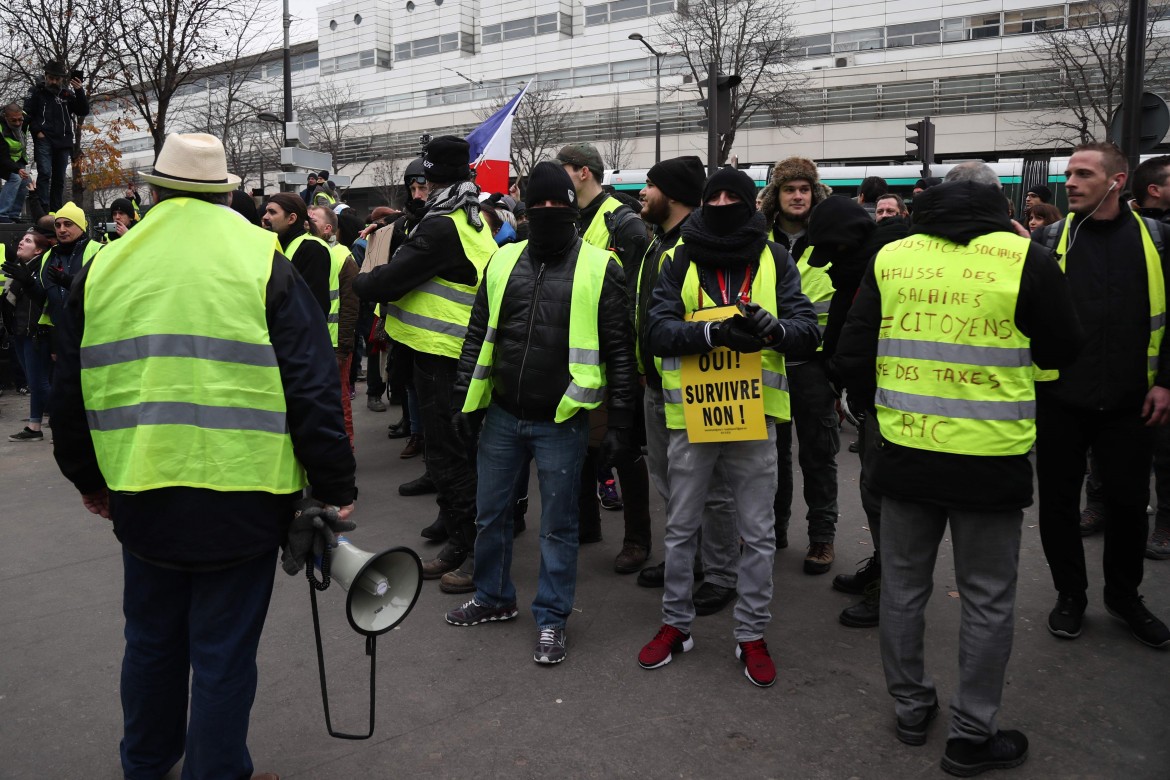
724 220
553 230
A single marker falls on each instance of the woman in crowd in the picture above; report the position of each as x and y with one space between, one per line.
22 305
1043 214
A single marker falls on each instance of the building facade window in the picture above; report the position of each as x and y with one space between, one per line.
426 47
621 10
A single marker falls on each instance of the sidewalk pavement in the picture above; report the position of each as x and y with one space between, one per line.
459 702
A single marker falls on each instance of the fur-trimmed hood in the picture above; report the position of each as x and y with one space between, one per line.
786 171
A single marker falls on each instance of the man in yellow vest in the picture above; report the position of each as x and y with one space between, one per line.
949 321
287 216
14 178
61 264
787 203
725 260
607 223
1110 399
343 303
191 409
430 283
549 336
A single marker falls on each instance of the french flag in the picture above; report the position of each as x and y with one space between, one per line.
491 147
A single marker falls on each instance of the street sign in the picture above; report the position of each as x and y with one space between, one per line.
306 158
298 179
1155 122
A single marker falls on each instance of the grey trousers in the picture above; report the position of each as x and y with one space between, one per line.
749 472
987 553
719 547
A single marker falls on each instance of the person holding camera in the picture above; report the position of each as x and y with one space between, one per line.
50 107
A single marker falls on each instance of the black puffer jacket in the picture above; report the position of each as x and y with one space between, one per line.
531 364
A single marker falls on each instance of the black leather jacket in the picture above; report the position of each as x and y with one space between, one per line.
531 364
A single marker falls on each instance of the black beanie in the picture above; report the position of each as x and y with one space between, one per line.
1042 192
446 159
548 181
680 178
123 205
732 180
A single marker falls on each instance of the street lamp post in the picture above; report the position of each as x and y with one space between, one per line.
657 94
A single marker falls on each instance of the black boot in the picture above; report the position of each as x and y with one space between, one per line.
400 429
436 531
856 583
867 612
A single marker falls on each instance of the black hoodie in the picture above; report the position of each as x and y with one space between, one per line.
959 212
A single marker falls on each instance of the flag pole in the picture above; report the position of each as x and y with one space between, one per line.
515 106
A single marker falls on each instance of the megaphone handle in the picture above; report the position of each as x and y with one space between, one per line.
371 651
326 565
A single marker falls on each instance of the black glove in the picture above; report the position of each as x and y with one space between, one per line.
313 529
762 322
21 272
60 277
466 425
617 445
736 333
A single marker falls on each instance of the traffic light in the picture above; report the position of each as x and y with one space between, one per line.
723 87
922 137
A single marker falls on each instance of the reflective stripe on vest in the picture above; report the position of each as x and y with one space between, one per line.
586 388
87 253
597 234
775 381
637 314
954 373
180 381
1157 293
816 284
433 317
338 254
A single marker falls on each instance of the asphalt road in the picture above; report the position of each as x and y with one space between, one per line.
459 702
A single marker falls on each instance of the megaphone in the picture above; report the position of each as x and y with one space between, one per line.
382 587
381 590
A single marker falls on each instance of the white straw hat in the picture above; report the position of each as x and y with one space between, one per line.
192 162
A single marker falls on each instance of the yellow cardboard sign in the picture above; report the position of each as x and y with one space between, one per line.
723 390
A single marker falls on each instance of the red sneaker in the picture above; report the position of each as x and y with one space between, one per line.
658 651
757 663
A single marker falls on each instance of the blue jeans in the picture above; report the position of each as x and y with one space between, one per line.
206 625
36 359
505 445
51 165
12 197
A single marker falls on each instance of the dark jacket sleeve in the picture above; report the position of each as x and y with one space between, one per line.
1045 311
472 343
853 364
347 316
797 315
1162 378
670 334
308 372
79 103
72 444
33 105
631 242
615 333
313 262
433 249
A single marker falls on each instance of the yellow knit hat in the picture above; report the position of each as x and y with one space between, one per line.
71 212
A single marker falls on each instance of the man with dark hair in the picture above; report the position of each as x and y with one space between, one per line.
1036 195
1110 399
50 108
872 188
787 202
431 285
889 205
549 339
193 421
1151 187
307 193
607 223
13 161
955 414
285 215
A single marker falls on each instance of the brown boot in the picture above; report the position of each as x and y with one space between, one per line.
413 448
462 580
630 559
448 559
819 558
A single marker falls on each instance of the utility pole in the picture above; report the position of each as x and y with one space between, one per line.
287 186
1135 61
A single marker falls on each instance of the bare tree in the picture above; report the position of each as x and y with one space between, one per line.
386 175
1088 56
753 39
616 150
539 125
163 45
330 114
